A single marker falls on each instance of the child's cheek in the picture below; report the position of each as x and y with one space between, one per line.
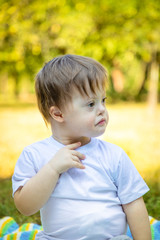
90 122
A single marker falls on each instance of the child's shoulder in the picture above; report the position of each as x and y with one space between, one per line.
110 156
109 147
109 153
40 145
39 152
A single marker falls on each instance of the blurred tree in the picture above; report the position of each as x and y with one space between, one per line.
153 86
123 32
129 31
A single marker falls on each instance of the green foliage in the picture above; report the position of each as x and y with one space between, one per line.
113 32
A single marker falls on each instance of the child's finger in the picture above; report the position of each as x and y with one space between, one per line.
76 159
73 145
78 154
78 165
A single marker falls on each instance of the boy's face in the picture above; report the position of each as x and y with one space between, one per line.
86 116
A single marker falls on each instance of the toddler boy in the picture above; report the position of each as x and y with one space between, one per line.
85 188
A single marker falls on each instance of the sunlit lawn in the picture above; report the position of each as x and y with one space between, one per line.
130 126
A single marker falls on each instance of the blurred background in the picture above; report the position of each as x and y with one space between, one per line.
123 35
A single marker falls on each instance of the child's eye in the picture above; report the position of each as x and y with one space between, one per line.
91 104
104 100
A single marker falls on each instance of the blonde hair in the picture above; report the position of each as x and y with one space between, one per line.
56 80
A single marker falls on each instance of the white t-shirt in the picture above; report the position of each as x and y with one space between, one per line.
85 204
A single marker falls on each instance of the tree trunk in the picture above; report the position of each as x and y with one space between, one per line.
142 89
153 85
118 80
4 84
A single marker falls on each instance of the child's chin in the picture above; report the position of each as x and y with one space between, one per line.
98 134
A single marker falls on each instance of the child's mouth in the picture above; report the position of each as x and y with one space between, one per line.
102 122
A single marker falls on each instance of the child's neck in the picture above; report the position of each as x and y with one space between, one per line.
67 141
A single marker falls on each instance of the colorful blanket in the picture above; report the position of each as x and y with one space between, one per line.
10 230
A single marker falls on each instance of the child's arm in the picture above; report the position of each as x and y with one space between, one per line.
138 220
34 194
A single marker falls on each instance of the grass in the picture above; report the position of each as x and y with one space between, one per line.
131 126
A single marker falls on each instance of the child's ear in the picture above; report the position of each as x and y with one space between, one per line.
56 114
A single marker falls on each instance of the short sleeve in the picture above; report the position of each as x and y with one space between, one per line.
130 184
24 170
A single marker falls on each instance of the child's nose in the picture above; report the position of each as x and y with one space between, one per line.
101 108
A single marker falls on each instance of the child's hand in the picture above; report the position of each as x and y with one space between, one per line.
67 158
